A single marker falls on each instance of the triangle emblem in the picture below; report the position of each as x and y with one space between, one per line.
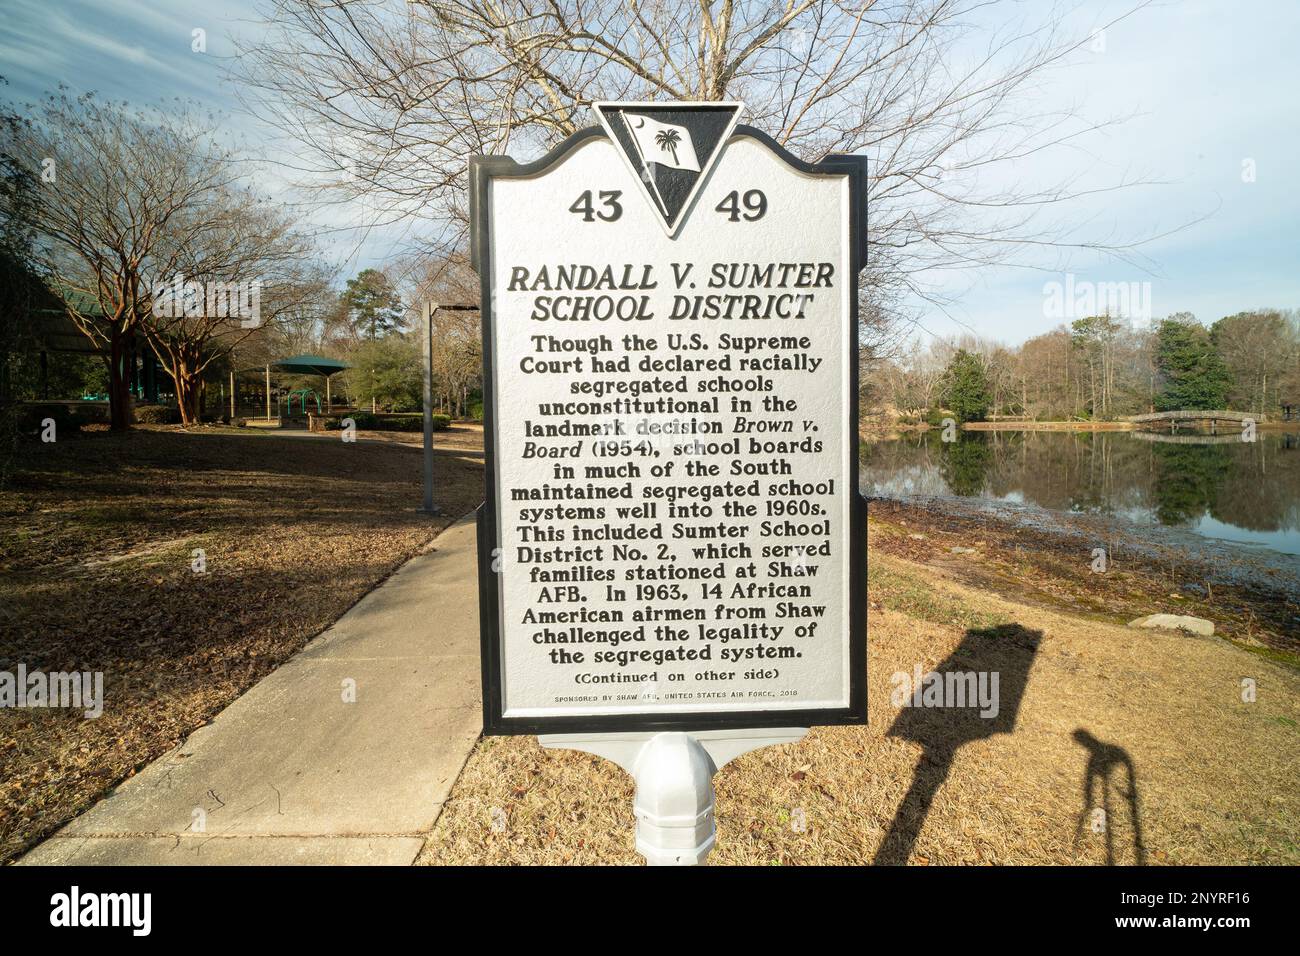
670 148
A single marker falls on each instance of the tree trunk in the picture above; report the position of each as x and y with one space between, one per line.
119 395
187 397
189 385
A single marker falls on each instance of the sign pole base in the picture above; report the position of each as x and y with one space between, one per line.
674 782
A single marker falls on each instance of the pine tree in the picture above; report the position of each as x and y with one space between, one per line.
373 305
1193 374
965 387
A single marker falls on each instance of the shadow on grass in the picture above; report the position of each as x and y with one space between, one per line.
1006 650
210 483
97 539
271 453
1103 760
98 534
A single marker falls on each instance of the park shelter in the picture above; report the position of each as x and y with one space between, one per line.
310 365
57 333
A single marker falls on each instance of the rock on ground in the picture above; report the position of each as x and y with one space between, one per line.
1176 622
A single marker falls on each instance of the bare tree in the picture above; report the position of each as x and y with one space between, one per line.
456 342
114 185
1047 368
1259 349
385 100
240 265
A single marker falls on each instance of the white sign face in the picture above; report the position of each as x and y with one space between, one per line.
672 433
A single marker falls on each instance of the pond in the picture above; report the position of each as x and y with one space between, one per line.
1217 487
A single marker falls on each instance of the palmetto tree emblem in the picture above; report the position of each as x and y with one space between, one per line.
667 140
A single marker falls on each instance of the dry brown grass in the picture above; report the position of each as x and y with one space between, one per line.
1216 777
464 437
96 537
1260 612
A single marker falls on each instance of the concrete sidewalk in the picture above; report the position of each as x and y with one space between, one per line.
290 772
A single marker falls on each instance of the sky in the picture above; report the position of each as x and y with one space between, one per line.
1207 90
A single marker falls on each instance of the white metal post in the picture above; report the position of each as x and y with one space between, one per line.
674 782
429 508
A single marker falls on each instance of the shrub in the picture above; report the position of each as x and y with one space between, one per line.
157 415
934 418
399 423
32 418
403 422
363 420
411 423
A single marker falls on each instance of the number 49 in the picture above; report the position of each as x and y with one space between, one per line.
754 201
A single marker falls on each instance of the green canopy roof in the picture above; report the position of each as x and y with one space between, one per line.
310 365
57 331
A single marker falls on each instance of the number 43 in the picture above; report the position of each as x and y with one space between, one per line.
584 208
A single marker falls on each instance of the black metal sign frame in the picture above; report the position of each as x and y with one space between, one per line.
484 169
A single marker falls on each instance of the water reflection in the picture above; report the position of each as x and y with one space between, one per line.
1241 491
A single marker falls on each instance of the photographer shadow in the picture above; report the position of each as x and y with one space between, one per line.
1103 760
1008 651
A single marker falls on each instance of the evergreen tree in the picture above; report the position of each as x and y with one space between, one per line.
1193 375
374 307
388 372
965 387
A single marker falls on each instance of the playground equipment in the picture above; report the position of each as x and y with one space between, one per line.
296 365
302 394
311 365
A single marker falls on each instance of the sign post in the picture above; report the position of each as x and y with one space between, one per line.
672 547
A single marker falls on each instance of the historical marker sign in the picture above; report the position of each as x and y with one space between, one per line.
673 536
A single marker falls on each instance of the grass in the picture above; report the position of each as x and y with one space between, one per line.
1053 570
98 535
1083 697
918 599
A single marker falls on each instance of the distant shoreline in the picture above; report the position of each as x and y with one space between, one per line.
1045 555
1049 426
878 430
